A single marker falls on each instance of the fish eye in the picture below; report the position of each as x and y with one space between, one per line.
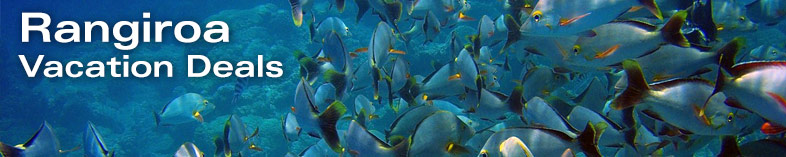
537 15
576 49
742 18
730 117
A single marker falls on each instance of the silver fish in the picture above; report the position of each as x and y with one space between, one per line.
183 109
94 143
188 149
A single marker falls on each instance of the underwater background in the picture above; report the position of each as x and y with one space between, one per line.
120 108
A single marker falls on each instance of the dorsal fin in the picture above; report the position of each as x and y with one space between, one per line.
675 82
640 24
748 67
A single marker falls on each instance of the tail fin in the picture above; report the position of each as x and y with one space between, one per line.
297 12
514 101
727 55
401 148
363 7
588 141
513 36
327 124
338 80
729 52
637 86
219 142
340 5
10 151
652 7
729 146
158 118
672 30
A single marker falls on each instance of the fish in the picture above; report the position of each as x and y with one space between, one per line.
442 83
327 26
381 45
510 26
677 62
235 137
681 103
298 8
766 12
291 128
754 86
389 11
442 9
310 118
336 53
183 109
730 17
240 86
566 17
94 143
364 109
399 74
360 142
326 94
541 81
538 112
440 134
513 146
765 52
494 105
42 143
310 68
430 27
341 76
404 125
468 71
549 142
580 116
618 41
486 30
188 149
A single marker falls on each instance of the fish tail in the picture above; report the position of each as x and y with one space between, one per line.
158 118
340 5
588 141
401 148
726 56
327 124
629 134
637 86
514 101
728 53
672 30
513 36
337 79
219 142
652 7
297 12
10 151
729 146
363 7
